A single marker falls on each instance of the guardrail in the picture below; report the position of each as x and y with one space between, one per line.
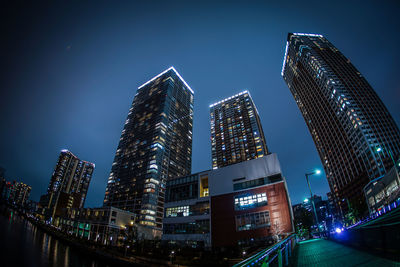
277 255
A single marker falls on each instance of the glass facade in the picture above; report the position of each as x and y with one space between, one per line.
257 182
69 183
71 175
199 208
247 201
197 227
236 132
252 220
155 145
347 120
183 188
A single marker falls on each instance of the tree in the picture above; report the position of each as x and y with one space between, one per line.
276 230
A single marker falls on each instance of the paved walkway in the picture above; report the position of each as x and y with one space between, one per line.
323 253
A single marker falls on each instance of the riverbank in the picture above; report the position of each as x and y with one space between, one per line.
102 252
139 255
109 255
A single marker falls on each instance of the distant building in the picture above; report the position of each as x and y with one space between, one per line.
3 184
21 193
236 132
2 173
16 193
106 225
155 145
322 209
353 131
32 206
7 192
333 206
238 204
68 186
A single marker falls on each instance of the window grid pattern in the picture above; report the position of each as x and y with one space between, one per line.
346 118
250 201
236 132
253 220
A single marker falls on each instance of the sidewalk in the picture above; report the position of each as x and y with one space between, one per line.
321 253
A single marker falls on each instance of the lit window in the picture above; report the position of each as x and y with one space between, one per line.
250 201
253 220
181 211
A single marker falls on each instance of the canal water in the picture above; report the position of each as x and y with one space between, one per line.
23 244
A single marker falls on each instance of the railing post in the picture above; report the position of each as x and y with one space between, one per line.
286 254
279 257
265 262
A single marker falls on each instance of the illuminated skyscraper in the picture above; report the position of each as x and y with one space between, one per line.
68 185
155 145
236 132
347 120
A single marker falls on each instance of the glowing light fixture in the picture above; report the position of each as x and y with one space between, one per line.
229 98
287 45
308 34
171 68
284 58
338 230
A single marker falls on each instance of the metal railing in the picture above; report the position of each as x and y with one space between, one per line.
277 255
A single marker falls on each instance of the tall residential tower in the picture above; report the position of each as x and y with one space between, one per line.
236 132
155 145
352 129
68 185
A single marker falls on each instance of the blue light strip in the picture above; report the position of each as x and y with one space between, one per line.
287 45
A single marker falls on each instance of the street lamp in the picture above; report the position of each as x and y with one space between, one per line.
379 149
312 200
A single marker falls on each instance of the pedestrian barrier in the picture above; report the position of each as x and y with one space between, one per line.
277 255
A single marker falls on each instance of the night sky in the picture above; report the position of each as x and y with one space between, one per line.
69 72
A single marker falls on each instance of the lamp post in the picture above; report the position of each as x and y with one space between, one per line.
312 200
379 149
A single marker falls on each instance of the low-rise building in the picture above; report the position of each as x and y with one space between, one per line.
383 190
97 224
239 204
187 211
106 225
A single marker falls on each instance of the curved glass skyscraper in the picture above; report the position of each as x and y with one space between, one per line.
354 133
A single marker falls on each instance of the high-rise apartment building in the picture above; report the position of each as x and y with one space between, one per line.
354 133
155 145
14 192
68 185
22 193
236 132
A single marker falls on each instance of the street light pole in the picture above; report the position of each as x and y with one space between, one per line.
379 149
312 200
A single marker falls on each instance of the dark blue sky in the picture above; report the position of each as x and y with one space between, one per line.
70 72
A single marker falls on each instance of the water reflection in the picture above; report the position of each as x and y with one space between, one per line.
23 244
